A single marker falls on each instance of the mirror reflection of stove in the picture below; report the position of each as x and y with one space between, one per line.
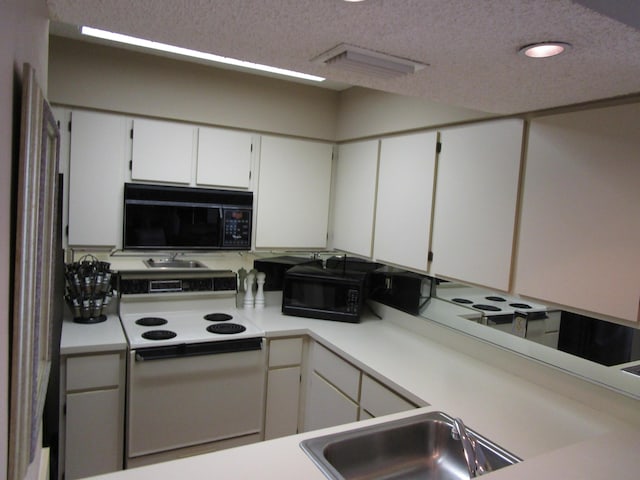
218 317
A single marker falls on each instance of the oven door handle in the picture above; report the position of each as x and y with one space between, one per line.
194 349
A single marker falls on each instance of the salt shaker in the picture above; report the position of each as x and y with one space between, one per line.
260 278
248 296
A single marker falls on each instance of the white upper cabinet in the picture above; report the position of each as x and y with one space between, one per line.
405 197
579 242
475 202
293 193
98 154
162 151
224 158
354 197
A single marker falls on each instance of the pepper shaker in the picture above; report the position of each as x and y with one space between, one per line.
260 278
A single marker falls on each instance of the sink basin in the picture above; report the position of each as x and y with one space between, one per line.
175 263
417 447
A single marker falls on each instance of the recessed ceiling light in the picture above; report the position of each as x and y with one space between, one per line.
544 49
139 42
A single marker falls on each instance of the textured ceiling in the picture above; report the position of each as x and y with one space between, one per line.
470 45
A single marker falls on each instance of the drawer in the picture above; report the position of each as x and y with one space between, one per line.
379 400
344 376
285 352
93 371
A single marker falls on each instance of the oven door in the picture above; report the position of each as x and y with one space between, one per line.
182 399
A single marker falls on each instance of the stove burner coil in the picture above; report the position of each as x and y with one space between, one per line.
158 335
520 305
494 298
462 300
151 321
226 328
218 317
487 308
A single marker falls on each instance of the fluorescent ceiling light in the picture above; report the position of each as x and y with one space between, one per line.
544 49
140 42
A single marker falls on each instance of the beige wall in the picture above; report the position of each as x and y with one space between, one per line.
364 112
24 30
91 75
95 76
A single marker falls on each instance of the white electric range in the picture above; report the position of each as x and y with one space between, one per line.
196 366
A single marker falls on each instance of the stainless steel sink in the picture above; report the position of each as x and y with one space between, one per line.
173 263
419 447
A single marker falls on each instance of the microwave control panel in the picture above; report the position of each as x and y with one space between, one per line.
236 228
353 300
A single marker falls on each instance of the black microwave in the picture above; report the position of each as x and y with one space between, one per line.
158 217
324 293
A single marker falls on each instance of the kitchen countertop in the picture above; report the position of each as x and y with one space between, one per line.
552 433
83 338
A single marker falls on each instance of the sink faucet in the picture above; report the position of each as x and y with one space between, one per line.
473 454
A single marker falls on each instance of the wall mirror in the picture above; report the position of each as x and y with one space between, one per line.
596 350
31 345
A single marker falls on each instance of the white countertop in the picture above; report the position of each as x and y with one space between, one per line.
79 338
553 433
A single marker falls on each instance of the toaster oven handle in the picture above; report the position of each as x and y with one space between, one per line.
194 349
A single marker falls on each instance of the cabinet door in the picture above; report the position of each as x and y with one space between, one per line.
94 432
96 178
377 400
355 196
293 193
283 397
335 370
327 406
580 227
475 202
162 151
405 198
224 158
285 352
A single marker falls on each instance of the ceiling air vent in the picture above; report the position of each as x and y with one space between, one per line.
361 60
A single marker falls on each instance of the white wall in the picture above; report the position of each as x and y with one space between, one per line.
94 76
24 30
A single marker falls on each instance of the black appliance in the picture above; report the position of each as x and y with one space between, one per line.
164 217
274 269
406 291
597 340
352 263
328 294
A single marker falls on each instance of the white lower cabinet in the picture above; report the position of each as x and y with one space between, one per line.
377 400
283 387
338 392
327 406
92 429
